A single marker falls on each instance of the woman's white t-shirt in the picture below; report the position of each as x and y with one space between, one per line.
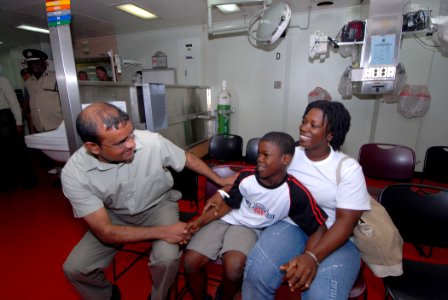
320 179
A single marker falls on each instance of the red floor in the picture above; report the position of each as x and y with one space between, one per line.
38 231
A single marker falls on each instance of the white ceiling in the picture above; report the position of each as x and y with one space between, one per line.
92 18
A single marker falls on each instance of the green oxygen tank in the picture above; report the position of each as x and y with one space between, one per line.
224 109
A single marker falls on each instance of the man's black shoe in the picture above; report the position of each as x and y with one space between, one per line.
116 295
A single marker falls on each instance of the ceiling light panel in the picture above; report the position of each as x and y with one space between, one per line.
137 11
228 8
33 28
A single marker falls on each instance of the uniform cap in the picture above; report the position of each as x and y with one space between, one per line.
34 54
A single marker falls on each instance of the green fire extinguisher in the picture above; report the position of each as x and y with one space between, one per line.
224 109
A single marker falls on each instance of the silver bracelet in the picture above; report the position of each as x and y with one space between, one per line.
313 256
223 194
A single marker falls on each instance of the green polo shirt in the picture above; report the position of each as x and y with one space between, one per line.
125 188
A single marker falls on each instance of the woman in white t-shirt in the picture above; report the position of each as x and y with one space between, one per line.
330 271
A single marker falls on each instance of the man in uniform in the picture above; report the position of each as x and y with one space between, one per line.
45 105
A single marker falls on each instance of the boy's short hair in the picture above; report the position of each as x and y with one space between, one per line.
284 141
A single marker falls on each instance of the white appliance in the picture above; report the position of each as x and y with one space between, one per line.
164 76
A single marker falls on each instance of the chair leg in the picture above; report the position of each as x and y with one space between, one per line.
387 295
179 294
421 251
140 255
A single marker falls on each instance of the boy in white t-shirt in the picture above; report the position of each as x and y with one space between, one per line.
259 198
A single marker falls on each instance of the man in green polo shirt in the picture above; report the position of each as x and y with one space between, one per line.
118 182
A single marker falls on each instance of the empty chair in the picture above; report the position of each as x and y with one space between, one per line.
420 214
226 147
252 151
436 164
389 162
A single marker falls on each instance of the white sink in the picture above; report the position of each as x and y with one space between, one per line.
53 143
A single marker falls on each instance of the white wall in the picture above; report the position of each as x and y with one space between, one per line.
433 129
305 75
141 46
250 75
424 65
251 72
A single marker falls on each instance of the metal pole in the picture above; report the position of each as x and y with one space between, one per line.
64 63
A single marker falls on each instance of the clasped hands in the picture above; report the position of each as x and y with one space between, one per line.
214 204
299 272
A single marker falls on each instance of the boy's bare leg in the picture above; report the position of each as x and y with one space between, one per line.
196 274
233 263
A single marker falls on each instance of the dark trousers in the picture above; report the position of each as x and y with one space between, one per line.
16 165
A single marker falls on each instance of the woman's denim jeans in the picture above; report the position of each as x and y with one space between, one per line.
281 242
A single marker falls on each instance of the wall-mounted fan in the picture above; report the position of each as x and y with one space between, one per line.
272 22
265 27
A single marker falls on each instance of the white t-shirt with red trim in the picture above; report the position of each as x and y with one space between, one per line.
258 206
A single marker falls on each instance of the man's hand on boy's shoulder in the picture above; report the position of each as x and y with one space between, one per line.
227 181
